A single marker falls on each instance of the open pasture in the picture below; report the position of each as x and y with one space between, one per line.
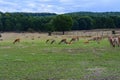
33 59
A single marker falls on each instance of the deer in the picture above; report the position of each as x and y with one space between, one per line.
38 36
74 39
53 41
96 38
64 41
16 40
50 40
68 42
47 40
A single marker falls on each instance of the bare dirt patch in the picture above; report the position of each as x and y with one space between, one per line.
99 74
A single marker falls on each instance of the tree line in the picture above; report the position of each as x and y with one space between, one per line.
49 22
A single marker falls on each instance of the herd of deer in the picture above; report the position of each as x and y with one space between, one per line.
114 41
63 40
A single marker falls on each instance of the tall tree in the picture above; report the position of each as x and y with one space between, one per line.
63 23
49 27
1 24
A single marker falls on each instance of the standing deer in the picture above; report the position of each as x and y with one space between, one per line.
16 40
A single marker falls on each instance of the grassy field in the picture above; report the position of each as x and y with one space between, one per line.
36 60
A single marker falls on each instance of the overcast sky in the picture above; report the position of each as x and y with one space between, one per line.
59 6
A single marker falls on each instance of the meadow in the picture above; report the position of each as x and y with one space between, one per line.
33 59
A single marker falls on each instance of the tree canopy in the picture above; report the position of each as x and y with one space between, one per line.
63 23
49 22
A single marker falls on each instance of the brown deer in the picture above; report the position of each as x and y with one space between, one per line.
63 41
96 38
68 42
16 40
47 40
38 36
74 39
53 41
50 40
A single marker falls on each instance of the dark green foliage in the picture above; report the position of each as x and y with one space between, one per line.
49 27
34 14
30 30
116 20
85 23
71 21
63 23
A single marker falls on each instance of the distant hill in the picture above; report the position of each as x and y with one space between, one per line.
94 13
34 14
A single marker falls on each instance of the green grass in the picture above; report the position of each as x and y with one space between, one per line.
35 60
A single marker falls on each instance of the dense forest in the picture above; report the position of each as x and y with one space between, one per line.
44 22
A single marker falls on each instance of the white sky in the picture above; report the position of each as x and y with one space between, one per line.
59 6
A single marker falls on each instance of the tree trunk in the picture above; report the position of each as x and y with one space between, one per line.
63 32
0 35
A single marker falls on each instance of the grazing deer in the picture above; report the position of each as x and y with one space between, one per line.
38 36
68 42
47 40
63 41
53 41
16 40
97 39
50 40
74 39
